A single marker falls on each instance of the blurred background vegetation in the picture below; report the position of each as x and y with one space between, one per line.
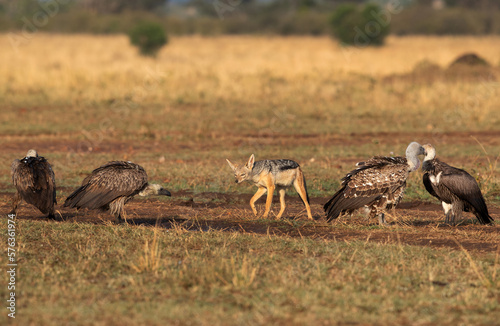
215 17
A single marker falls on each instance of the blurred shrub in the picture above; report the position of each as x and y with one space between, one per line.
377 26
358 26
149 37
343 21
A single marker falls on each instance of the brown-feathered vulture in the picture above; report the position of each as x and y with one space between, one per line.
456 189
377 184
111 186
35 183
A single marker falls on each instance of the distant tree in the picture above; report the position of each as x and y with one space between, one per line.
149 37
360 26
377 25
117 6
343 21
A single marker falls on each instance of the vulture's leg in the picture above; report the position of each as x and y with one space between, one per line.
381 219
123 215
120 215
119 219
380 208
52 214
15 203
116 209
365 210
452 218
447 211
371 213
456 212
447 218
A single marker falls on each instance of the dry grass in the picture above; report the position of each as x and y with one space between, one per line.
93 98
81 274
84 100
311 78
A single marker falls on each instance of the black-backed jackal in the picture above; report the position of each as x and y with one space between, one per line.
268 175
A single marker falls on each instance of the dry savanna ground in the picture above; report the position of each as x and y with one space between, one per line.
201 257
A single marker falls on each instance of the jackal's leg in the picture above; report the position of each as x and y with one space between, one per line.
15 203
300 187
261 191
269 201
281 191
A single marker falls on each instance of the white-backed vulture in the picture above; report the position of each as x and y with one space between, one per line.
377 184
35 183
456 189
111 186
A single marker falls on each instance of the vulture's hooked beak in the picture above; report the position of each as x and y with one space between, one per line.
164 192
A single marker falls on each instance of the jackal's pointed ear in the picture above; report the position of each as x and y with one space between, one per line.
231 164
251 162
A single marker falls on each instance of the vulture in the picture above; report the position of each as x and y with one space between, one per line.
376 185
456 189
111 186
35 183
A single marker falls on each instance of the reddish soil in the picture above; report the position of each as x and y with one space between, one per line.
413 223
56 143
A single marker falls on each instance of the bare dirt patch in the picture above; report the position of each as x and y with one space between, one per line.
414 223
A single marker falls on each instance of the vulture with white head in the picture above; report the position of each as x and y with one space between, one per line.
111 186
35 183
377 185
456 189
